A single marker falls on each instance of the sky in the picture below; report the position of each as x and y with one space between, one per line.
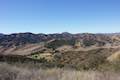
56 16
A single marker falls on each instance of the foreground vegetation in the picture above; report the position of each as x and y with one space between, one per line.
30 72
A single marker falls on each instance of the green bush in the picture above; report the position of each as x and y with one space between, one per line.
57 43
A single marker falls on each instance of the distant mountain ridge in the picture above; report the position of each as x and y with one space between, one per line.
26 38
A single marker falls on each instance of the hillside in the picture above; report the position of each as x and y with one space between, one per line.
78 51
18 39
28 42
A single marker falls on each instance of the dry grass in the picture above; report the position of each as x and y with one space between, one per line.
10 72
114 57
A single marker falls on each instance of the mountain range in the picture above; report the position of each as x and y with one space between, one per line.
26 43
82 50
18 39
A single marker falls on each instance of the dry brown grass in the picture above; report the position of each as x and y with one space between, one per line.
10 72
114 57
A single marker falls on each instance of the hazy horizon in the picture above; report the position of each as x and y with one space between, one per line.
57 16
60 33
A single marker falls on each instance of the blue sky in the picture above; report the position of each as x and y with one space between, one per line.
54 16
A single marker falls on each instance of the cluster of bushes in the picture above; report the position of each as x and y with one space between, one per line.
82 60
19 59
88 42
57 43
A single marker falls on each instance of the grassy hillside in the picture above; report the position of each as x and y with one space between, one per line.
20 72
95 59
